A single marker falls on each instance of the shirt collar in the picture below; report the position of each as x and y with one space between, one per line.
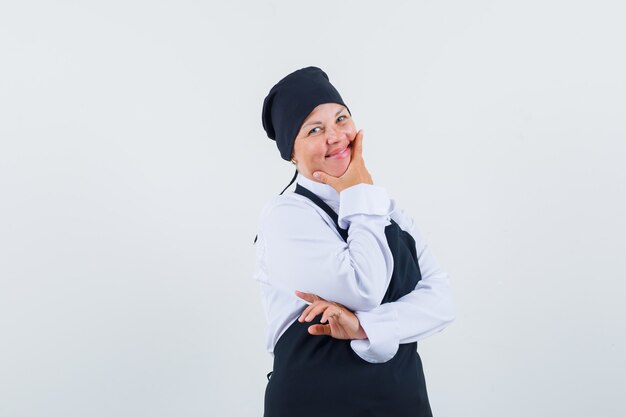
324 191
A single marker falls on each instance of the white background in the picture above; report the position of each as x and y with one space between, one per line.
133 166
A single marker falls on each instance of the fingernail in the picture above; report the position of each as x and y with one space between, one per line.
316 175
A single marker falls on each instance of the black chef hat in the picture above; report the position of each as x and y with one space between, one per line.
291 100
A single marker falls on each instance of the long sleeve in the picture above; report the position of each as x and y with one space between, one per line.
426 310
303 252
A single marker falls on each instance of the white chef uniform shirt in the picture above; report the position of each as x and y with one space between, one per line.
299 248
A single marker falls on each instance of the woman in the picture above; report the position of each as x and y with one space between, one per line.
349 285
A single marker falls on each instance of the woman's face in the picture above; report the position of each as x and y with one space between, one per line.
324 141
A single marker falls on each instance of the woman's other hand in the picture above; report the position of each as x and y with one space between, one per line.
342 323
356 173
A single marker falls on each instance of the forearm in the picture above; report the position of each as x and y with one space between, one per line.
426 310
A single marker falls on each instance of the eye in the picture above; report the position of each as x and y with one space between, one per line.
339 119
313 130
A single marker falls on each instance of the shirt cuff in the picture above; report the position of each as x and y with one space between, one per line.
383 334
362 199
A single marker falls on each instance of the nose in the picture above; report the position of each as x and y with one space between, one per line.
332 135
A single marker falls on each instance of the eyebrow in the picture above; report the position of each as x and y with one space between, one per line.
319 123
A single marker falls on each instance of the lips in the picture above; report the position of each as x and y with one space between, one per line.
337 152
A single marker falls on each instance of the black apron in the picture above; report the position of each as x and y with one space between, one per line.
322 376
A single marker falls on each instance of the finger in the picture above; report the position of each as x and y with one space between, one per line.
305 312
320 330
324 318
324 177
306 296
310 307
319 308
335 326
355 155
358 144
331 312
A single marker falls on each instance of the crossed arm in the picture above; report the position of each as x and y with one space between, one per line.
304 254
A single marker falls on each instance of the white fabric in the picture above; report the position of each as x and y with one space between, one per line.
299 248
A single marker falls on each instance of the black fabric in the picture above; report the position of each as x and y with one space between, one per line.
291 100
295 175
321 376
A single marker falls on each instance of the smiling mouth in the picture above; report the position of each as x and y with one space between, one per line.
340 152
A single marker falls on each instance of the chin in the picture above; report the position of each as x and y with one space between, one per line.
338 172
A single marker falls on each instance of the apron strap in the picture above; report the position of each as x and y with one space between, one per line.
321 204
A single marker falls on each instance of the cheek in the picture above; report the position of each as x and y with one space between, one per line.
350 131
313 150
320 151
